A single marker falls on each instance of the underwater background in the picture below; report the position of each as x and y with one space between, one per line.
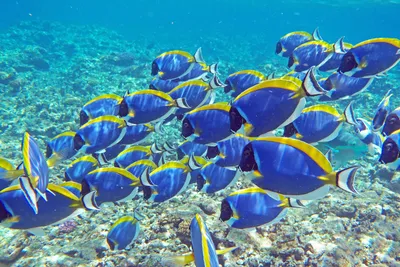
57 55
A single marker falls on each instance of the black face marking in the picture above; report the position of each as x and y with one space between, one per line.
290 61
390 151
391 125
49 151
4 214
66 177
236 120
83 117
123 108
228 86
200 182
78 142
85 188
154 68
348 63
146 192
187 129
328 85
180 154
212 152
248 163
226 211
151 86
289 130
278 48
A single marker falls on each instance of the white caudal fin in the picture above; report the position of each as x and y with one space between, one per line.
169 147
329 155
101 158
193 164
349 114
295 203
338 47
215 82
198 56
145 178
163 159
310 84
213 68
345 179
158 127
316 35
29 192
41 194
271 76
398 52
181 103
89 201
155 149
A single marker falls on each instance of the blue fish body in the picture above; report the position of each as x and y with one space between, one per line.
292 168
100 106
341 86
371 58
290 41
78 169
253 108
195 93
199 71
111 184
147 106
138 167
169 180
242 80
109 154
136 133
163 85
173 65
208 124
190 148
131 155
214 178
252 207
60 205
392 122
230 151
314 53
123 232
61 147
99 134
205 254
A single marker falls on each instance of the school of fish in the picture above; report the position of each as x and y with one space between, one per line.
224 142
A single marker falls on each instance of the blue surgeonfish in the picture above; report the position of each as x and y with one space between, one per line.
5 166
290 41
166 181
228 153
135 153
78 169
307 55
381 112
123 232
163 85
61 205
196 93
293 168
111 185
213 178
253 207
242 80
391 151
138 167
103 105
200 71
334 62
204 253
272 104
98 134
319 123
341 86
373 140
175 64
392 122
371 58
190 148
208 124
194 163
149 106
60 148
